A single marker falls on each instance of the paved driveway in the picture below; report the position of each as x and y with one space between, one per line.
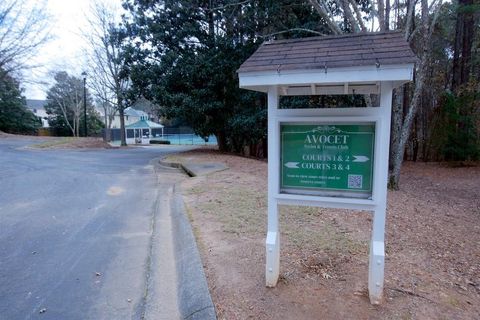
75 230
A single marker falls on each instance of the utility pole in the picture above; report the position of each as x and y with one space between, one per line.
84 74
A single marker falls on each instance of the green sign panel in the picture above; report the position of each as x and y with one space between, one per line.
327 157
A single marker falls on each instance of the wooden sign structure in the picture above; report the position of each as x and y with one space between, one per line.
329 157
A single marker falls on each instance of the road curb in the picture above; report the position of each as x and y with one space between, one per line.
194 298
178 166
194 169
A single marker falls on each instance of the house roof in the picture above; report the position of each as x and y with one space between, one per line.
360 49
36 104
134 112
144 124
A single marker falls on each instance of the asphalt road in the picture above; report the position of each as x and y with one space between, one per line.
76 230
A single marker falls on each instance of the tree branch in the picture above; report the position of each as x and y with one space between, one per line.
294 29
381 14
325 16
359 15
348 14
408 26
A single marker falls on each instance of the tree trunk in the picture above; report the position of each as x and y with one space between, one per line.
407 124
221 141
319 7
467 40
381 14
410 18
427 26
462 52
397 118
415 136
107 127
348 16
77 128
456 52
123 140
387 15
265 148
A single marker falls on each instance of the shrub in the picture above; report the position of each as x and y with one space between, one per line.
159 142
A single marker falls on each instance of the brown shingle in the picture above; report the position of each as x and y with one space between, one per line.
361 49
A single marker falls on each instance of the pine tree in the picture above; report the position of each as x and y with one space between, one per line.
14 115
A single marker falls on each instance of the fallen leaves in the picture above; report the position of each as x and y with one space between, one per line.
432 236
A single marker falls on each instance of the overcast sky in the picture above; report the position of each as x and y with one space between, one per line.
66 50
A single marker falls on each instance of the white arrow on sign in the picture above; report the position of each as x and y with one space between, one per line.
360 159
292 165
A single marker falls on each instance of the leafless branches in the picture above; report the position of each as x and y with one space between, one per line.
358 15
24 28
66 98
294 29
326 14
429 17
105 60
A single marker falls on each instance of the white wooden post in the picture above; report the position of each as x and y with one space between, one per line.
377 244
273 232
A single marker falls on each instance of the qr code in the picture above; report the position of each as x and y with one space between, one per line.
355 181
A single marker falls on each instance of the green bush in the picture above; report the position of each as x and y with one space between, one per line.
456 132
159 142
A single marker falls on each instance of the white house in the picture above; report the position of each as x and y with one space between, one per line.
38 108
131 116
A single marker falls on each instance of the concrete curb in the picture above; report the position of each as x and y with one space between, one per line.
172 165
196 169
161 301
187 170
178 166
194 298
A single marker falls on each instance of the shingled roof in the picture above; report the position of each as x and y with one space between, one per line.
360 49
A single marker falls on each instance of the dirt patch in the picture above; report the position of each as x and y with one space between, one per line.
432 246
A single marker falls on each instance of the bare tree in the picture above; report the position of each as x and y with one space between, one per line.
429 15
106 62
24 28
103 101
462 51
66 101
380 12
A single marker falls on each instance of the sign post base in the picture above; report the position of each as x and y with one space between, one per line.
376 272
273 258
376 266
